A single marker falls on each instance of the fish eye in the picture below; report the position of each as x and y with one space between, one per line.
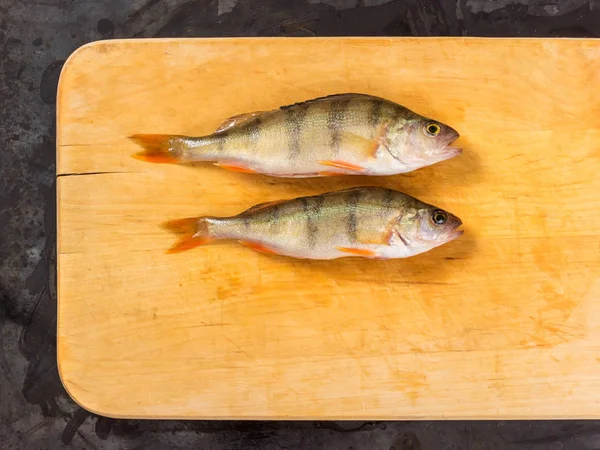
439 217
433 129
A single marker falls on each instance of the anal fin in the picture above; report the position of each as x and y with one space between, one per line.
357 251
258 247
343 165
235 168
330 173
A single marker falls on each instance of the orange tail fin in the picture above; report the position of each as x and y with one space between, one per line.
193 232
158 148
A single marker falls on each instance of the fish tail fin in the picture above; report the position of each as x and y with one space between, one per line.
158 148
193 232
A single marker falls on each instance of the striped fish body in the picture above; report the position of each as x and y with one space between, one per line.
321 226
363 221
334 135
310 138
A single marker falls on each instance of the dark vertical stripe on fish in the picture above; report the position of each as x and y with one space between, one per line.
315 213
253 131
352 221
388 197
306 212
375 116
294 120
221 139
335 122
318 201
274 217
312 208
399 115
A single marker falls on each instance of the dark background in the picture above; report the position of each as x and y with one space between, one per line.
35 39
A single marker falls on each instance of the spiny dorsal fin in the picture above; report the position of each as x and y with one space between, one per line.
242 118
328 97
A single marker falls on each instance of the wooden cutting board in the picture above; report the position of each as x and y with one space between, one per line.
502 323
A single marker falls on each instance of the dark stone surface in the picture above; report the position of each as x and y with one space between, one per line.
35 39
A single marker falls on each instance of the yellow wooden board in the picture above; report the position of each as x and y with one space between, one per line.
501 323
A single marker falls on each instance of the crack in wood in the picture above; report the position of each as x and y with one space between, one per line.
78 174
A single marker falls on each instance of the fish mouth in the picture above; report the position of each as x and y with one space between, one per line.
450 152
447 151
455 234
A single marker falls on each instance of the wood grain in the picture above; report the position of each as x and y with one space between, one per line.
502 323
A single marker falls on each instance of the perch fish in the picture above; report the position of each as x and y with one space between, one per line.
342 134
369 222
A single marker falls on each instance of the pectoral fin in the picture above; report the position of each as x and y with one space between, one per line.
383 237
363 146
366 147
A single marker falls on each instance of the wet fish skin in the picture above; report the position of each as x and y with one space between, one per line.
341 134
369 222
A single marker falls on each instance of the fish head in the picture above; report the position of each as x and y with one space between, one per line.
425 227
419 141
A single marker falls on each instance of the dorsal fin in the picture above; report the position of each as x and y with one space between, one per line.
262 205
237 120
245 117
329 97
